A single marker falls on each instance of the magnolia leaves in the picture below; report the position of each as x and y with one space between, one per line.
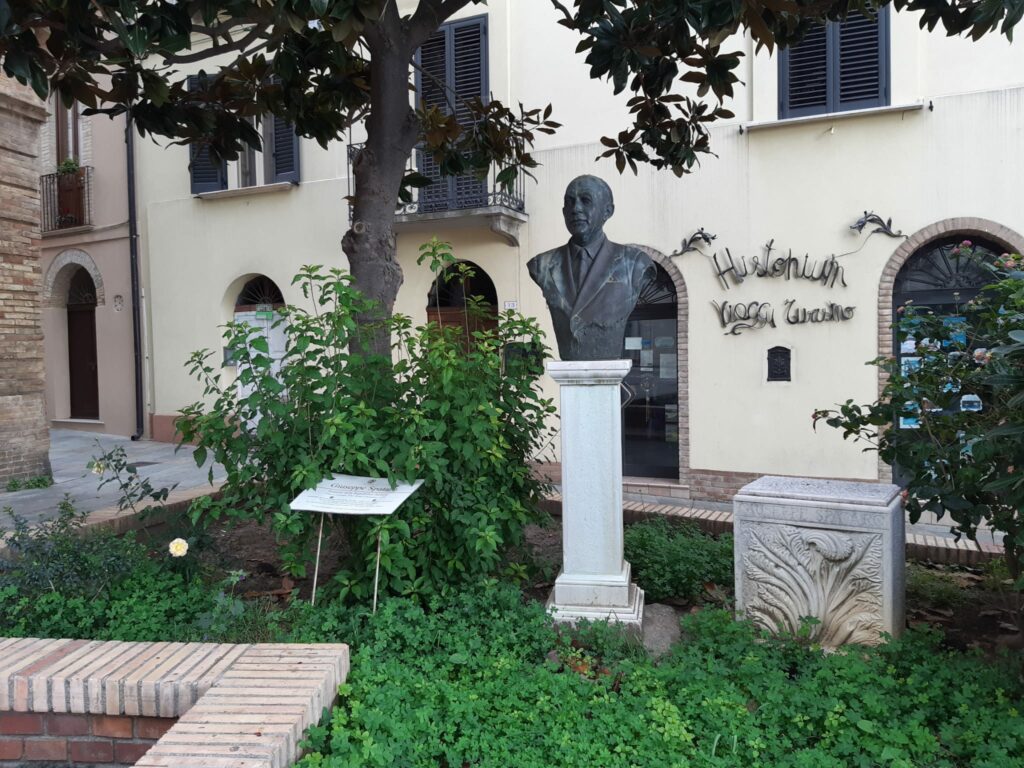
659 51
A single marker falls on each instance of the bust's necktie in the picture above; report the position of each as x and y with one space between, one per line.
580 267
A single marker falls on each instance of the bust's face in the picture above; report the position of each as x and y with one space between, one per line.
586 208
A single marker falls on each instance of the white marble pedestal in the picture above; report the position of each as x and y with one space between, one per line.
826 549
594 582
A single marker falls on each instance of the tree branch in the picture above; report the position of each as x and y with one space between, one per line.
256 33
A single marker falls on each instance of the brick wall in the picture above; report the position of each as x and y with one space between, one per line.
24 439
717 485
99 741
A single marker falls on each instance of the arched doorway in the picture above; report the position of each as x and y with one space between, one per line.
83 368
463 296
941 279
650 414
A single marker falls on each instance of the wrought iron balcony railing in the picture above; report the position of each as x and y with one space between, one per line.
66 199
453 193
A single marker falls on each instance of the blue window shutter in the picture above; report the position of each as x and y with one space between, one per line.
804 70
836 67
862 55
431 90
283 144
205 175
453 70
469 81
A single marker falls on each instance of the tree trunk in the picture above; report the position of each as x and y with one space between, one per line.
372 249
377 173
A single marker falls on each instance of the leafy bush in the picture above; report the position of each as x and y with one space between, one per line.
457 415
60 579
472 681
676 560
60 556
961 460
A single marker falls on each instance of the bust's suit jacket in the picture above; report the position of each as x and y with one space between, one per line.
590 319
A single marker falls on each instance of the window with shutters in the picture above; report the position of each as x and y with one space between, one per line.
452 69
839 66
280 159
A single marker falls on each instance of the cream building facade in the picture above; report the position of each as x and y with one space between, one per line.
87 297
713 403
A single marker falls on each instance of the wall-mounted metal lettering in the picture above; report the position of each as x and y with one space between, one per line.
736 318
825 271
830 312
753 315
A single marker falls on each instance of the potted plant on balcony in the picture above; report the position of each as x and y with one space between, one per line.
70 194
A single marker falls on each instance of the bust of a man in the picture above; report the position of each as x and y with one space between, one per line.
591 284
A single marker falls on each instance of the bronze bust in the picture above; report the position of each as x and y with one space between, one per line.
590 284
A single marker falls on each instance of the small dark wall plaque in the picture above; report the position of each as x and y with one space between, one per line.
779 364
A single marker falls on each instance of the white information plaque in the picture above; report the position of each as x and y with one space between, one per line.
351 495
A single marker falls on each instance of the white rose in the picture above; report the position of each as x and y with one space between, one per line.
178 548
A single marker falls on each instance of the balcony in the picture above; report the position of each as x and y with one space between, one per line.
66 199
458 201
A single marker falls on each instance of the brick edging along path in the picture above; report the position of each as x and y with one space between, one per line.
937 549
186 705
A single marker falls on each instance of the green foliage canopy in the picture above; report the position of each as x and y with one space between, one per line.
310 61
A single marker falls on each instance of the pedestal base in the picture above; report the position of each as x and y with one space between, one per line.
595 579
631 614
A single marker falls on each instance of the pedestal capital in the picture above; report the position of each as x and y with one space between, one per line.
587 372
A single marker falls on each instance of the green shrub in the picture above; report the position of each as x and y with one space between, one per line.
62 580
59 555
673 560
455 414
471 681
959 408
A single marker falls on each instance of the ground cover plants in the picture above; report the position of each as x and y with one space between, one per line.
484 680
26 483
479 677
677 561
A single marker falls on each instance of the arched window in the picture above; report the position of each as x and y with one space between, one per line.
938 277
260 294
451 293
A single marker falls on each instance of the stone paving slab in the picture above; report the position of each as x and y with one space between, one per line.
237 706
162 463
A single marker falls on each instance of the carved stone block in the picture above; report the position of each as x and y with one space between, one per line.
830 551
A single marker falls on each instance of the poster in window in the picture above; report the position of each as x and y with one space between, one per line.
666 366
958 331
912 420
909 364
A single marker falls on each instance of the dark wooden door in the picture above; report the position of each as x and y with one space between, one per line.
82 367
